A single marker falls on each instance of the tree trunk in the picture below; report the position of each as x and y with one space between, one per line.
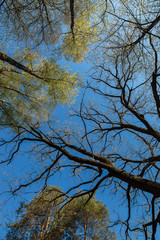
45 223
85 228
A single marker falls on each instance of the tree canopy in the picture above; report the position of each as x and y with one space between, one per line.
116 143
28 98
42 219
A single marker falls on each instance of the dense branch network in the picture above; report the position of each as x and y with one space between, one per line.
118 134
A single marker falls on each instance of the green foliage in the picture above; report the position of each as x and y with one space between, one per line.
41 219
36 22
25 98
76 45
80 220
38 214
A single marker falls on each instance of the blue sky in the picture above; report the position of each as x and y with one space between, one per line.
10 173
115 203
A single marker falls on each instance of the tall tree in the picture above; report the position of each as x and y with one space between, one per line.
36 22
28 96
34 218
42 219
29 81
81 219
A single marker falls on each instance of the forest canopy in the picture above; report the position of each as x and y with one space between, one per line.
111 139
45 217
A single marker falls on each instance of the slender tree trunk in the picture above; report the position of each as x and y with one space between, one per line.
85 231
41 235
45 223
85 228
